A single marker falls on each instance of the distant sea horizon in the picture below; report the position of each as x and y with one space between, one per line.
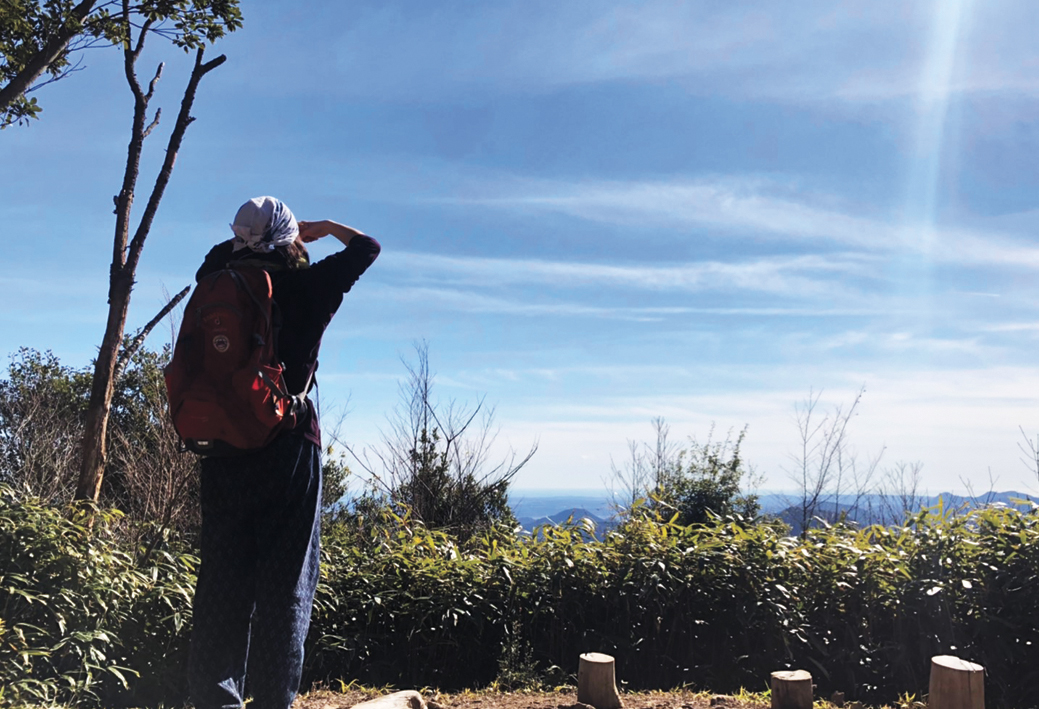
605 492
542 502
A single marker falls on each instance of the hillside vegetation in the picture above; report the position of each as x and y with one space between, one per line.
95 604
714 606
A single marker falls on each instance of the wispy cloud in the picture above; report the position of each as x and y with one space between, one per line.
57 288
1012 327
754 210
901 342
812 51
443 300
805 275
731 205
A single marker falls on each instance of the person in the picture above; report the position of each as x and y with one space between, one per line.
261 511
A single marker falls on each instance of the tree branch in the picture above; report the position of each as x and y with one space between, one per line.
124 200
154 81
155 122
130 55
78 66
50 52
140 38
135 344
184 119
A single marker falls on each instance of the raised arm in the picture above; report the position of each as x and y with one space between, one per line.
341 270
312 231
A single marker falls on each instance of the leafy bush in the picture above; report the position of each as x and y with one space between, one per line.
399 603
707 479
700 481
718 605
80 619
715 606
42 404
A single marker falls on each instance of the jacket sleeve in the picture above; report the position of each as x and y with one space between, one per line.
338 273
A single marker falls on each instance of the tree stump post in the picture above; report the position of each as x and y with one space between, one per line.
791 689
956 684
596 681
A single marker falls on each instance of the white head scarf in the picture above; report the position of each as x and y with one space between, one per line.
263 224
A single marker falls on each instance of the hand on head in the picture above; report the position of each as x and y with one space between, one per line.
312 231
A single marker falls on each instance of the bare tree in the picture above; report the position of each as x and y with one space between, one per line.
435 459
126 252
1030 450
42 404
979 499
825 468
647 468
151 477
899 493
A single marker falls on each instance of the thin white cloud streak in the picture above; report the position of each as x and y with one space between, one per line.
775 275
1012 327
746 208
56 287
703 205
858 52
457 300
898 343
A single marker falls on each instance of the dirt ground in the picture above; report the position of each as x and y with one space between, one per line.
324 699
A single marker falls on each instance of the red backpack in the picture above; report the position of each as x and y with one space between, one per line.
226 388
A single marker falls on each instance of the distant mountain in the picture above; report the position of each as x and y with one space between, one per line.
890 509
574 515
535 504
536 508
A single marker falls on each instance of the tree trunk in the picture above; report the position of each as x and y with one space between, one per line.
125 256
53 48
94 451
956 684
791 689
596 683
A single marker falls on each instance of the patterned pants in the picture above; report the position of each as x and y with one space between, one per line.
260 534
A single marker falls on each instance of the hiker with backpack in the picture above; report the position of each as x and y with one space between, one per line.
238 380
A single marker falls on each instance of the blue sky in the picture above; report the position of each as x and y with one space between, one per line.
598 213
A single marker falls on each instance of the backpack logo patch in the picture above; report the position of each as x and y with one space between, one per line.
221 343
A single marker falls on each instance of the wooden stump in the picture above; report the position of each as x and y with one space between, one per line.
791 689
956 684
596 682
407 699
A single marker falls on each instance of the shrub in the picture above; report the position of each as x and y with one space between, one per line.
716 605
80 621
